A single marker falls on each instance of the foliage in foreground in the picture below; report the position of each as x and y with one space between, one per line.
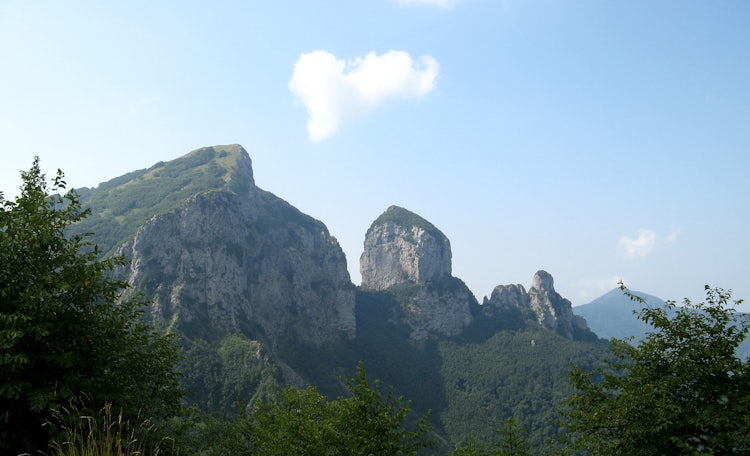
63 330
511 441
106 433
303 422
681 391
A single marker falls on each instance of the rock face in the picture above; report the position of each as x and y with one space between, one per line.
436 309
552 310
239 259
401 247
407 255
507 297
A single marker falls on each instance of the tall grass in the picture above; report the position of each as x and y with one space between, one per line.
75 432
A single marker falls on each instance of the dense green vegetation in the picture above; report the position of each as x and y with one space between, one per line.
368 421
63 331
503 367
517 374
223 377
682 390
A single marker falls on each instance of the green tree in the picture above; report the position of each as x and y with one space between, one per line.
64 333
681 391
511 441
298 422
303 422
375 424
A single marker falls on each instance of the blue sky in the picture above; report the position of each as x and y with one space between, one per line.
597 140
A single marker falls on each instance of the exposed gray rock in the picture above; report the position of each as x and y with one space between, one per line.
507 297
402 247
243 261
404 250
552 310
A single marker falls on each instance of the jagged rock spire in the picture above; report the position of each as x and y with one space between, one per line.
552 310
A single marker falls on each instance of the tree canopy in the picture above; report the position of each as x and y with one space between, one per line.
367 422
64 332
682 390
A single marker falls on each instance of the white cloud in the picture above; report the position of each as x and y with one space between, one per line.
640 246
673 235
438 3
333 90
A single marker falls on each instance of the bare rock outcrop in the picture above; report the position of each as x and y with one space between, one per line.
401 247
239 259
551 310
409 256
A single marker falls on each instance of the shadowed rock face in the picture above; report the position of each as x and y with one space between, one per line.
239 259
552 310
402 247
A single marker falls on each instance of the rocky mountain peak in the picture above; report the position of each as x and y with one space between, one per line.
404 251
218 255
552 310
543 281
402 247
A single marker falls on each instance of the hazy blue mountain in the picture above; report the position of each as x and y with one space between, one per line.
615 315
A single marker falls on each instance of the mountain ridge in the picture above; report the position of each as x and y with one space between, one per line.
117 210
260 295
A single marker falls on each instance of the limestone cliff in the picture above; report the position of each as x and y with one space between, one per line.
552 311
238 259
407 255
401 247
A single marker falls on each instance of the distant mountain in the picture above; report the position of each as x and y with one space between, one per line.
615 315
260 296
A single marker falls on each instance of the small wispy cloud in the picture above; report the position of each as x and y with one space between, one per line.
332 89
673 235
640 246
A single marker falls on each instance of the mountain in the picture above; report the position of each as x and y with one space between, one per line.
551 310
400 247
218 255
260 296
407 255
614 315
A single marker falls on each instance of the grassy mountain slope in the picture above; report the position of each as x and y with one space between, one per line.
121 205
